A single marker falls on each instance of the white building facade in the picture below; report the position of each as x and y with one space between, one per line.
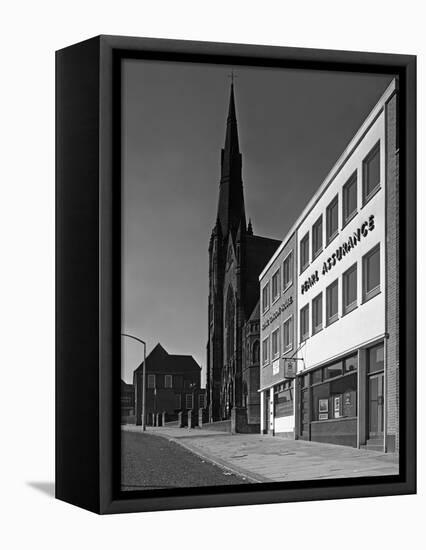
347 328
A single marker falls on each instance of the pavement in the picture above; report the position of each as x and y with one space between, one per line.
265 458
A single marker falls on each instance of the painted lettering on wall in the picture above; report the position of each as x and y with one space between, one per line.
276 313
350 243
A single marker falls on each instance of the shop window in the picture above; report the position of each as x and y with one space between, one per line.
349 301
317 238
333 370
304 323
332 299
332 219
371 274
168 381
265 351
283 402
335 399
265 298
288 271
151 381
276 285
317 314
351 363
316 376
288 334
275 343
375 359
349 199
371 173
304 253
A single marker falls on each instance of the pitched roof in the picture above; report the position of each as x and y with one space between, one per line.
159 360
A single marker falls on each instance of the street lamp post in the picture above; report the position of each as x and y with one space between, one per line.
143 379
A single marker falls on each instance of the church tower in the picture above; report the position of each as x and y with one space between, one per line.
236 258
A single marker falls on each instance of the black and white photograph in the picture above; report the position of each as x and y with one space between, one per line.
260 319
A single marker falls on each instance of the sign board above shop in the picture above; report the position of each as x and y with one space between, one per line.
290 367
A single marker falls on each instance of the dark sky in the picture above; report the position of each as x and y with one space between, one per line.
293 125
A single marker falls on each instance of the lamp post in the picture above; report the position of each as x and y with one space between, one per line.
143 380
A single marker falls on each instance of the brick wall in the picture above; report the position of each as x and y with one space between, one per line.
392 275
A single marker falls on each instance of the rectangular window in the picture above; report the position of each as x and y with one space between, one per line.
275 285
332 220
375 359
151 381
275 343
168 381
332 305
371 173
317 238
349 290
349 199
304 323
178 401
288 271
265 298
317 314
351 363
371 274
201 401
288 334
333 370
304 253
188 401
265 351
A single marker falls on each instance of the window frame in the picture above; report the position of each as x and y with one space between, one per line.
347 308
329 237
265 307
168 377
289 347
304 335
367 197
265 361
317 328
329 320
348 217
277 354
305 266
317 252
368 295
186 401
290 259
149 387
275 297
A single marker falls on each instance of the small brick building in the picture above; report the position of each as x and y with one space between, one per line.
173 384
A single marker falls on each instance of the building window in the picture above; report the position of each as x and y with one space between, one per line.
275 285
288 334
304 253
168 381
371 173
351 363
317 314
201 401
332 305
275 343
304 323
349 301
376 359
317 238
188 401
288 271
349 199
332 221
265 298
256 352
371 274
178 401
265 351
151 381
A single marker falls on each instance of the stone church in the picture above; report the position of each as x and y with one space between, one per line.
236 259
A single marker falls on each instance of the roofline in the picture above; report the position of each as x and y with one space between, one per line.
368 122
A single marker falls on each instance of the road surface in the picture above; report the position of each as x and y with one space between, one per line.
152 462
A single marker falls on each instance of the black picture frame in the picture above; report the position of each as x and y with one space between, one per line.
88 313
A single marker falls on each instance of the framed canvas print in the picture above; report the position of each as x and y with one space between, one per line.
236 291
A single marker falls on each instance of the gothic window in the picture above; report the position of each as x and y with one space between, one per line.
230 324
256 351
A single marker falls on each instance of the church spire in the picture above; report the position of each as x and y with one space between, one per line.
231 197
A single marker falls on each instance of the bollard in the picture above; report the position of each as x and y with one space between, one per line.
163 418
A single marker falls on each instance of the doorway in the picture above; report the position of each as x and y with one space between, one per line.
376 405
